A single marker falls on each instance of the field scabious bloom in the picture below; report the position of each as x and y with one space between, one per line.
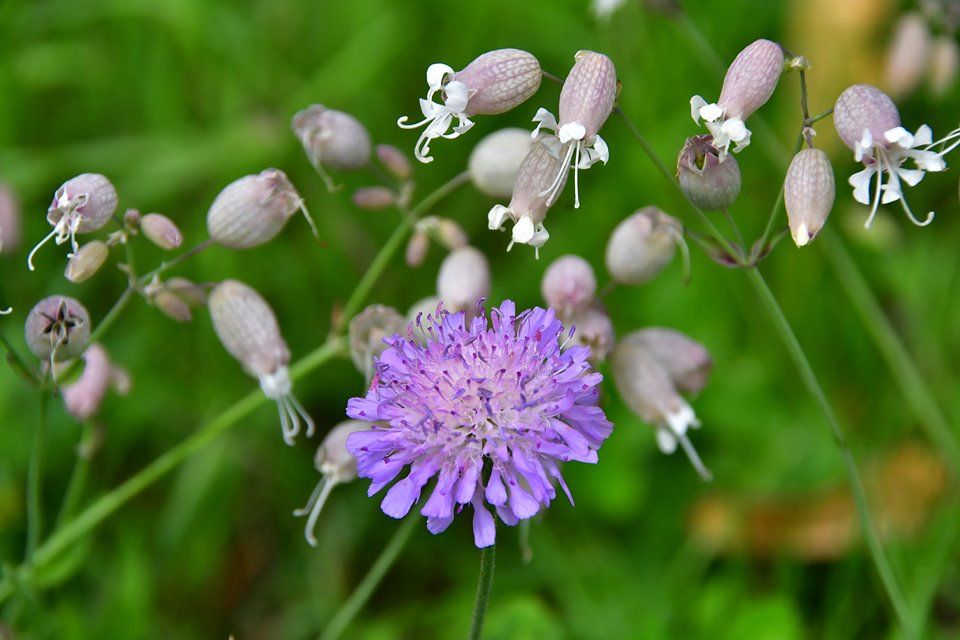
491 411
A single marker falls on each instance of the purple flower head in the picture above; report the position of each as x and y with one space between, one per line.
491 411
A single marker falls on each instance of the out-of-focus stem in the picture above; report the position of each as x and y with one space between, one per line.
35 481
488 557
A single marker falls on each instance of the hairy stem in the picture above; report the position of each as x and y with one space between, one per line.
484 585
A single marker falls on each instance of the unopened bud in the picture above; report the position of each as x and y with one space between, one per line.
367 332
495 161
395 161
252 210
593 329
332 139
908 54
450 234
808 194
686 361
642 245
710 179
374 198
57 329
588 95
568 284
132 218
83 397
81 205
862 114
86 261
248 330
464 279
944 64
417 248
190 292
172 306
9 218
336 466
161 231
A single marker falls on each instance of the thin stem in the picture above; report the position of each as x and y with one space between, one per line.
484 585
18 362
35 481
820 116
173 262
352 606
736 230
112 315
78 478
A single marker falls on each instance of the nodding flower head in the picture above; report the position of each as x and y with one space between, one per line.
808 194
57 329
495 161
493 83
651 367
529 204
868 122
464 279
491 411
748 84
588 96
252 210
568 285
332 139
592 328
336 466
248 330
81 205
642 245
367 332
708 177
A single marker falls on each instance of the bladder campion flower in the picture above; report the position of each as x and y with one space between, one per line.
332 138
495 161
642 245
491 411
709 178
493 83
57 329
808 194
568 284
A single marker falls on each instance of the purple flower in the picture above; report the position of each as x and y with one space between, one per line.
490 411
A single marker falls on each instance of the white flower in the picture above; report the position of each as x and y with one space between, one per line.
887 157
724 130
583 151
438 118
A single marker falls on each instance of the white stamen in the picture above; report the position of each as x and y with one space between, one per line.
317 499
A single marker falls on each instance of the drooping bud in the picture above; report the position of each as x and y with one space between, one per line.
336 466
568 285
374 198
808 194
248 330
81 205
9 218
332 139
528 206
710 179
748 84
944 64
417 248
648 390
642 245
367 331
57 329
592 328
172 305
686 361
132 218
444 230
586 101
395 161
417 317
83 397
495 161
252 210
464 279
493 83
190 292
161 231
86 261
862 115
908 54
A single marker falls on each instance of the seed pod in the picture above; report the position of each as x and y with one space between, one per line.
687 362
332 138
84 397
57 329
529 204
495 161
568 285
252 210
647 389
464 279
395 161
944 64
808 194
710 179
161 231
500 80
87 261
417 318
367 331
642 245
81 205
248 330
9 218
172 306
336 466
374 198
751 79
417 249
864 113
588 95
908 54
593 329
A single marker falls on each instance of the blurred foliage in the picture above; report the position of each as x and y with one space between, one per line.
175 99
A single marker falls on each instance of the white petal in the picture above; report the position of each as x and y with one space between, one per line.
911 176
711 112
436 73
544 119
696 103
860 182
457 96
923 137
666 441
430 110
572 131
735 129
523 230
928 160
599 147
899 136
497 216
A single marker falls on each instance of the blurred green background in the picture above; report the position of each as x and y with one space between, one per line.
174 99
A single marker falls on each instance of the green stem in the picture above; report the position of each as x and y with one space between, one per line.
98 332
35 481
484 585
349 610
173 262
17 362
78 478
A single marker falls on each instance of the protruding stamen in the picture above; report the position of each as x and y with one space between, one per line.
694 457
314 506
